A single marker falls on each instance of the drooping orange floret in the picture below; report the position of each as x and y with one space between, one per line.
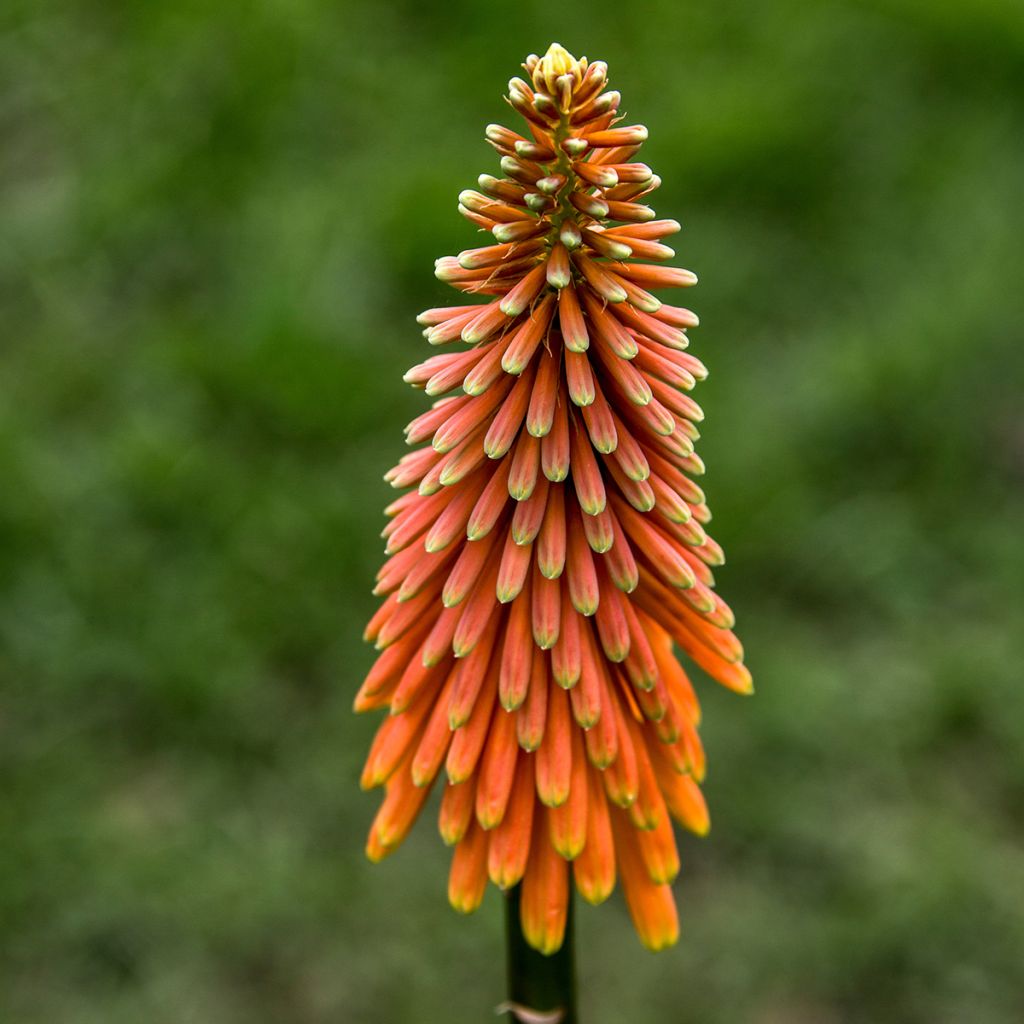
553 550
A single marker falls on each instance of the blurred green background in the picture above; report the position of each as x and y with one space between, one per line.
217 224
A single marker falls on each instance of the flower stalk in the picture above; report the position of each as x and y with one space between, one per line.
541 989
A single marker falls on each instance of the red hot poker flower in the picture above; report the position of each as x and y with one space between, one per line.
554 548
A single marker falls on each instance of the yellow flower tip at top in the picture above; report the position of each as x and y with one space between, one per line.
556 62
549 577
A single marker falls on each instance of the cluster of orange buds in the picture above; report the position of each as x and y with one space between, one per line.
553 546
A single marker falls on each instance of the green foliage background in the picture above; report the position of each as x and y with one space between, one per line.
217 223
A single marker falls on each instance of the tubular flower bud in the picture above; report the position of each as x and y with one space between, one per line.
549 578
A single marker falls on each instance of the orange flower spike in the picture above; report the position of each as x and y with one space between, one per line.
552 547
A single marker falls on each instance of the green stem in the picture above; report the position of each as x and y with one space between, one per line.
563 166
544 984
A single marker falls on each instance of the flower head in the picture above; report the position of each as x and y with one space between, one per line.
553 548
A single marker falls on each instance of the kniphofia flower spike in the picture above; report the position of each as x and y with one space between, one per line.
553 548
